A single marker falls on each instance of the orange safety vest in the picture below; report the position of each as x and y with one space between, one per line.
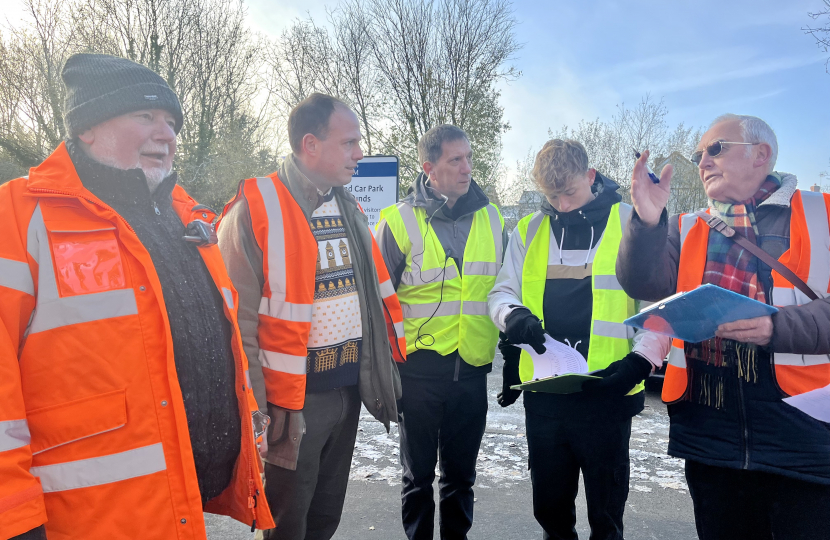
93 433
808 257
289 266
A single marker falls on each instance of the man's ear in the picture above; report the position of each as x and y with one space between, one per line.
763 156
592 175
87 136
428 167
310 145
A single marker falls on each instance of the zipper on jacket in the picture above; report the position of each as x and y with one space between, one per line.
744 430
457 367
156 208
252 503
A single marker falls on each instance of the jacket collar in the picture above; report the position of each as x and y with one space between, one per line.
306 194
56 174
784 194
421 195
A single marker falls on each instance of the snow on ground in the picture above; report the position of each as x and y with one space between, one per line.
502 459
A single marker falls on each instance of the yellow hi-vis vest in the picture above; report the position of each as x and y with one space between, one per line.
442 311
610 338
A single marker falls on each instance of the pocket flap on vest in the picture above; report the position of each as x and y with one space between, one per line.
64 423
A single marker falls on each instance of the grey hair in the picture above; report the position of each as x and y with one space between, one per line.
430 145
754 130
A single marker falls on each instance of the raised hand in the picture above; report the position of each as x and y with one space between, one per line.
649 198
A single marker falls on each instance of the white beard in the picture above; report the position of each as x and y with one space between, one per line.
155 176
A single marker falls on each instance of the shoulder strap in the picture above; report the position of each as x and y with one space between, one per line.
716 223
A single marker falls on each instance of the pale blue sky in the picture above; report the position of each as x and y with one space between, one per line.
704 58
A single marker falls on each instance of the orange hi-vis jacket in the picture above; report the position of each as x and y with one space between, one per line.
94 439
290 255
808 257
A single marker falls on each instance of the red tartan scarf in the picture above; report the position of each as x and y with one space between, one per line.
731 267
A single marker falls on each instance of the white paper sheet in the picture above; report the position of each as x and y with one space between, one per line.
557 359
816 403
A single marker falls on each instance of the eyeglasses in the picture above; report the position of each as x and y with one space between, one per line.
715 149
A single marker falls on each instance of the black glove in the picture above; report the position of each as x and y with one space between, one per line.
523 327
509 373
621 376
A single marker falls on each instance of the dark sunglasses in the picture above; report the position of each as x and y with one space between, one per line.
714 150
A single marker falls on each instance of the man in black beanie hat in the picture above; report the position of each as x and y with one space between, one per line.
125 407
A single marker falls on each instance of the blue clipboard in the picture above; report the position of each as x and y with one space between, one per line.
694 316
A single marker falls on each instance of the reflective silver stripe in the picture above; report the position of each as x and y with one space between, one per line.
428 276
248 379
14 434
410 222
286 363
607 282
82 308
687 221
387 289
226 292
495 226
475 308
52 311
279 309
101 470
787 359
36 237
625 213
421 311
481 269
613 330
533 228
16 275
276 242
782 296
815 213
399 330
677 357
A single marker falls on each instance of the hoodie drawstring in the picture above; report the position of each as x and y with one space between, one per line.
590 246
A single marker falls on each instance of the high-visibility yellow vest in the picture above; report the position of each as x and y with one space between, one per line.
610 338
442 310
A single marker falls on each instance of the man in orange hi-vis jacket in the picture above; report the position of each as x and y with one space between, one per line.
125 408
320 320
757 467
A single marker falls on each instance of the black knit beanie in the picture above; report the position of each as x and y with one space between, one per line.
100 87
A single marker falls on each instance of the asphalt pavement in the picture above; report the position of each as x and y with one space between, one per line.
659 506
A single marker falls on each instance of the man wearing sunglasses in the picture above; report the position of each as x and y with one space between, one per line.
756 467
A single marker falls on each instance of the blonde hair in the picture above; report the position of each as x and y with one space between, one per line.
557 163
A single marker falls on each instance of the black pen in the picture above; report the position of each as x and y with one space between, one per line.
654 178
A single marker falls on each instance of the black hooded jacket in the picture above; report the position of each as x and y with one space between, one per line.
568 306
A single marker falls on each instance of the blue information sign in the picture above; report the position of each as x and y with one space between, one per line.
375 185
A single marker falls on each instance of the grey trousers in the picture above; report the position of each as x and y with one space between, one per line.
307 503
